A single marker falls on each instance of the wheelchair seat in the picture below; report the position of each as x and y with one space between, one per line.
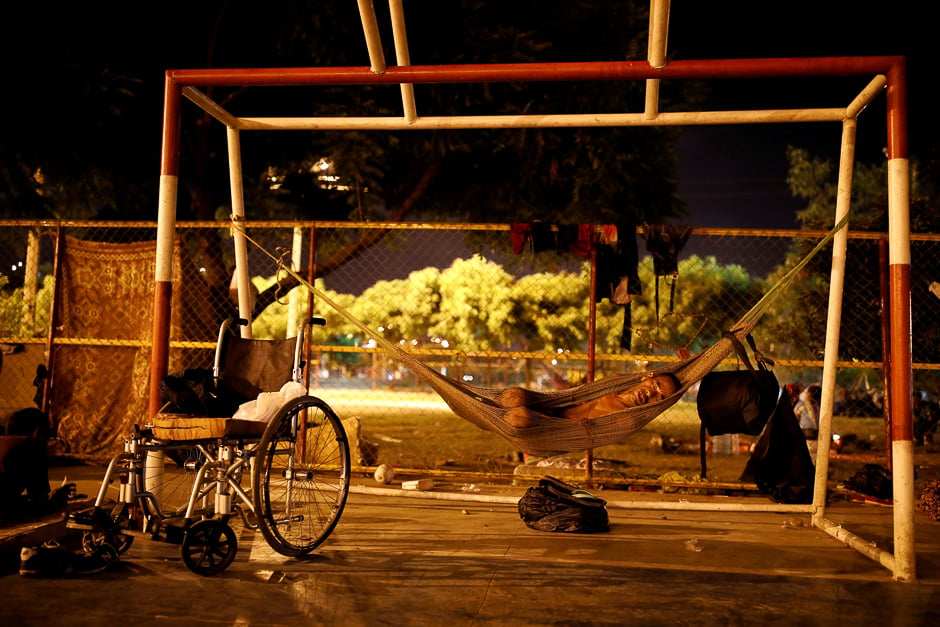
199 404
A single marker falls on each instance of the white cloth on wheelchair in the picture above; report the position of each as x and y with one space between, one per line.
266 405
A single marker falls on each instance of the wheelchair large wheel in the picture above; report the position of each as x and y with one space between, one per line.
170 475
301 476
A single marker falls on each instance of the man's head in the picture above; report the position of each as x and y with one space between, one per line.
29 422
650 390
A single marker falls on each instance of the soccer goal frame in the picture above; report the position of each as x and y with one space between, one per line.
887 75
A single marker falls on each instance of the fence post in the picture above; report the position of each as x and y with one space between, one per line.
591 347
885 343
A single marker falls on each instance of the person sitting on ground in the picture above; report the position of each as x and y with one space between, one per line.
24 469
804 410
648 390
807 410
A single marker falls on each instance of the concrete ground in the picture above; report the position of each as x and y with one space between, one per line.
404 558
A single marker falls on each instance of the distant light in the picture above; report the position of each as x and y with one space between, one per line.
468 377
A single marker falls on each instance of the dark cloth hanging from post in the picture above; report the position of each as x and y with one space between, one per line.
664 242
618 277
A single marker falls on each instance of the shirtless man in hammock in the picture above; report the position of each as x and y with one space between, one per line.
649 390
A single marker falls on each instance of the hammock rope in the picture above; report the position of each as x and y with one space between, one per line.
543 433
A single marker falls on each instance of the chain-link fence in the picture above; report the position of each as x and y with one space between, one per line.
494 305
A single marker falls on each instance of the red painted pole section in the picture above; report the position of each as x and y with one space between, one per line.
899 273
166 228
529 72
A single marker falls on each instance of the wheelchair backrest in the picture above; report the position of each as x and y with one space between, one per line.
249 366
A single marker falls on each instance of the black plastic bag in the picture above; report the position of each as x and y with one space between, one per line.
781 465
738 401
554 505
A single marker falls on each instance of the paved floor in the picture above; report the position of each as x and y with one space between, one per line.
398 559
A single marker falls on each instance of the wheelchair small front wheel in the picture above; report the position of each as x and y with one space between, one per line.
301 476
209 547
121 542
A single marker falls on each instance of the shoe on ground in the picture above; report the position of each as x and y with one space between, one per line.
51 560
46 560
95 561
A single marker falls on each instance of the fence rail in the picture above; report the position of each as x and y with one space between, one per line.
472 301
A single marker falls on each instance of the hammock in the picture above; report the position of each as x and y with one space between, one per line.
546 434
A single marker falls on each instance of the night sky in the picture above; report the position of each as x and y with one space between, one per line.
735 176
730 176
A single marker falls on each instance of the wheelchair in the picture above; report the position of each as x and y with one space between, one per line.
180 478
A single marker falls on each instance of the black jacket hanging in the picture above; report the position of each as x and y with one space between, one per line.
664 242
616 266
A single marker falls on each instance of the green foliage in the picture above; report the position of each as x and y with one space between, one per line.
709 298
551 309
799 321
13 322
476 305
402 309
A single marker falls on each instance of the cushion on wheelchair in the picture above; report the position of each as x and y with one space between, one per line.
185 427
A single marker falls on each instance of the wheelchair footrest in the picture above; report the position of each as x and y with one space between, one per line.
171 534
90 520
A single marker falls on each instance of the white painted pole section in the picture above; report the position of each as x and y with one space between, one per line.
899 194
656 52
902 451
30 278
210 106
293 303
836 284
864 97
672 118
902 477
370 29
242 278
868 549
403 58
678 505
166 227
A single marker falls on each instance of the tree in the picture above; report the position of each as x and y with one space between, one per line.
798 322
555 175
105 165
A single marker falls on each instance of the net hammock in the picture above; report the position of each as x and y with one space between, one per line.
544 433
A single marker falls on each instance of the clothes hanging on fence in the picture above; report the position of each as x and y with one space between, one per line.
543 237
664 242
618 277
563 238
519 235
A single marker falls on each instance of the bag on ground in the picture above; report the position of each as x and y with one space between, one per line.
554 505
